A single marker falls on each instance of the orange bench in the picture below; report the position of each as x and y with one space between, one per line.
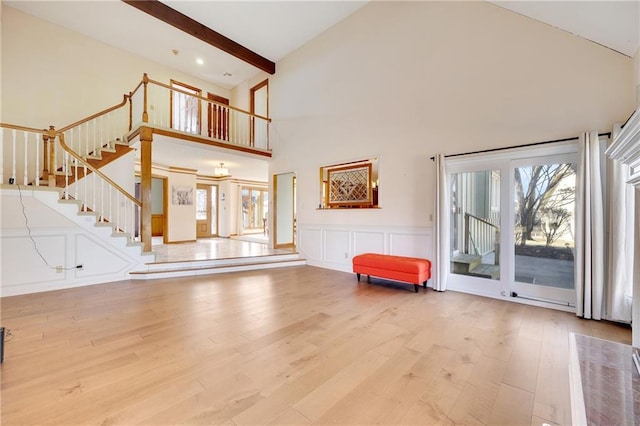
400 268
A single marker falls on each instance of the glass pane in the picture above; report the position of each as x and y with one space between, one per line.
201 204
475 224
544 198
256 217
214 210
245 208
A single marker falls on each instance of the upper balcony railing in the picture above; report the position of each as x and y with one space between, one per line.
162 106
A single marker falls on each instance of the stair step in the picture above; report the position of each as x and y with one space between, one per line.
463 263
215 266
484 270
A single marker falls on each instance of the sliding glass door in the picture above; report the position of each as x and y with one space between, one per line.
544 195
512 225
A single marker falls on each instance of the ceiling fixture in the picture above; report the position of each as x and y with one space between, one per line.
221 171
175 51
199 61
227 74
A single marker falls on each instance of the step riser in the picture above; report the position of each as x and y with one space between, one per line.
176 273
213 263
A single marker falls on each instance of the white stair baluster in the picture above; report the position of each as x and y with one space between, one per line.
85 183
37 144
75 171
101 200
2 153
26 158
13 169
66 175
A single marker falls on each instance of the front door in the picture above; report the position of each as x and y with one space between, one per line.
206 211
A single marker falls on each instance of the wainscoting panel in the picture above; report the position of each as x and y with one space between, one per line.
409 244
336 248
311 238
368 242
333 246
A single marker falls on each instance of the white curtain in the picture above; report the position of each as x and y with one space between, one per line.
442 226
619 295
590 253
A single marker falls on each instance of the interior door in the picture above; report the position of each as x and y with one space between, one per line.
206 211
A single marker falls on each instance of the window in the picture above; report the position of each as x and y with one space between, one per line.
185 107
255 203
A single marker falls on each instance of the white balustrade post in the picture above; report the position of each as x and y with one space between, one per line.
26 158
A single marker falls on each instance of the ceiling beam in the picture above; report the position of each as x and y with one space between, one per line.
196 29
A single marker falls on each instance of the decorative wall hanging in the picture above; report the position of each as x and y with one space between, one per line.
182 195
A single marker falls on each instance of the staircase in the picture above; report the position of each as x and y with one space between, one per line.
471 264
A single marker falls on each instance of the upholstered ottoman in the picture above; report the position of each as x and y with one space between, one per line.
399 268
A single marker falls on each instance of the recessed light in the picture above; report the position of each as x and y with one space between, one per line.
175 51
199 61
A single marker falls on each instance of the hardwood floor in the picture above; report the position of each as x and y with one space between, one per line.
298 345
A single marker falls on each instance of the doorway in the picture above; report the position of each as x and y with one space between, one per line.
218 117
259 106
206 211
512 225
284 210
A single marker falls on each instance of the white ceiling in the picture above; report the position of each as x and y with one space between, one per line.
274 29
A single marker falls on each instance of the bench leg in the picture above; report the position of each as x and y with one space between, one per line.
358 275
368 278
424 284
415 288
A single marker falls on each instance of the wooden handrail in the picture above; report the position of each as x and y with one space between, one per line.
481 220
175 89
96 171
24 129
98 114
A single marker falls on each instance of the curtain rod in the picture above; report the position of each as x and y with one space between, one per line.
608 134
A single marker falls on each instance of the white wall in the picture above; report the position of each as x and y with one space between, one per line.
181 218
45 66
402 81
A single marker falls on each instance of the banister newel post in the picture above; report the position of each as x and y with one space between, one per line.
146 139
51 175
45 156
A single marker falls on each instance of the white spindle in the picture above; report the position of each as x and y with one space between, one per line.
37 139
117 210
111 204
94 193
75 171
86 140
26 159
66 175
101 200
13 167
2 153
85 184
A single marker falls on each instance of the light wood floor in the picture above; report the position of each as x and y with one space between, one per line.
299 345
